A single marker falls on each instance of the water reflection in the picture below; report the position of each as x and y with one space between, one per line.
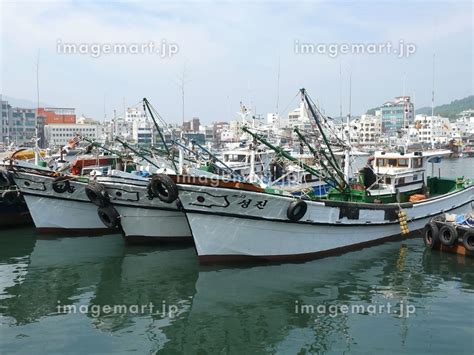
221 310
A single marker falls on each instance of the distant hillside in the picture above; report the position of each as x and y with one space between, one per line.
22 102
448 110
372 111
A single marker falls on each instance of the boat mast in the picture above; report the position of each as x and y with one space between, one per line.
147 104
347 155
432 103
316 155
284 154
37 155
332 159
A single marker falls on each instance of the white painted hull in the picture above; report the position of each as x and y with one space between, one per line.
50 215
72 210
144 219
146 224
54 212
225 231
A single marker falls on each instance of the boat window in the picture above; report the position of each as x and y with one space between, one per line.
401 180
417 163
234 157
392 162
388 180
415 177
403 162
381 162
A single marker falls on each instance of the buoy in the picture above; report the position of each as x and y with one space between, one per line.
402 219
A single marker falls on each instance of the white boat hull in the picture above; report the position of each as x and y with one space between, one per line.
145 225
144 219
225 229
51 215
57 212
141 219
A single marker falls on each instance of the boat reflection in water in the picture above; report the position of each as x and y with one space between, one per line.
222 310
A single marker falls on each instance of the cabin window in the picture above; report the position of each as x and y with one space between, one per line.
392 162
381 162
415 177
417 163
401 180
388 180
306 178
403 163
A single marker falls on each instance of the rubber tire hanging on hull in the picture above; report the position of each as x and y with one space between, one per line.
61 184
11 197
5 178
448 235
296 210
431 235
163 187
468 241
97 194
109 216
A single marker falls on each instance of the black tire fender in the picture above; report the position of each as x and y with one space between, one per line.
97 194
163 187
296 210
431 235
109 216
468 240
6 179
61 184
448 235
11 197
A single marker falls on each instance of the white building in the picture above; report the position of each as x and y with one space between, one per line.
298 118
463 127
428 129
135 114
142 132
366 130
59 134
273 119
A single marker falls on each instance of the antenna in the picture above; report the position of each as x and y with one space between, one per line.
340 90
432 102
105 112
182 83
37 109
350 93
278 86
404 82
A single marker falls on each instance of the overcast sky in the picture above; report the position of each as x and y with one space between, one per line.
231 53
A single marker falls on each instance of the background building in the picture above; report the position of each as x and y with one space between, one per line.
366 130
60 133
53 115
397 114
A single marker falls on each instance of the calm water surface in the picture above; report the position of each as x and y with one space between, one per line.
56 295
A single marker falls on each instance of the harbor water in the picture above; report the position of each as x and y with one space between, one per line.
63 294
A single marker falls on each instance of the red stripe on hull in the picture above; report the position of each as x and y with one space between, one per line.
78 231
143 240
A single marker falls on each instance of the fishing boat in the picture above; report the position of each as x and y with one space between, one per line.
233 221
13 209
56 200
139 205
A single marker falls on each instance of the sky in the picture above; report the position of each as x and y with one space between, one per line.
232 52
